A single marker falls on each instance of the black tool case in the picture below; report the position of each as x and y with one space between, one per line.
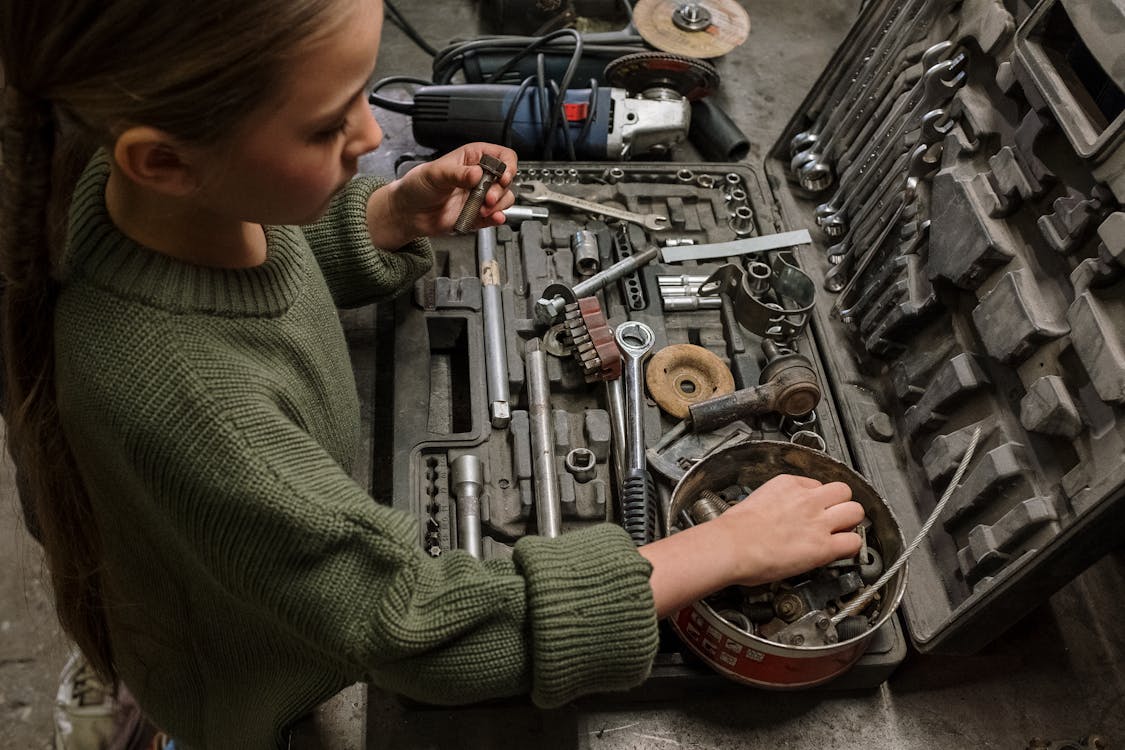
995 297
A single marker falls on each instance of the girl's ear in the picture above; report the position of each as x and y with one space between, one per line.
154 160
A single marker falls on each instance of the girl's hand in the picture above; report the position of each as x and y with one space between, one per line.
789 525
427 200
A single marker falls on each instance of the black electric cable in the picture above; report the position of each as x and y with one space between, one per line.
509 118
400 21
563 86
450 60
591 114
567 138
406 108
541 87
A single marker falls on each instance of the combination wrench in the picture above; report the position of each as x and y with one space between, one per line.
923 165
537 192
846 61
872 77
808 142
934 89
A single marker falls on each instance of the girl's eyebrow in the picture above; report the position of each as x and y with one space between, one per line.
339 111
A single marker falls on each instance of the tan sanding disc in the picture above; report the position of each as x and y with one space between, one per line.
684 374
719 26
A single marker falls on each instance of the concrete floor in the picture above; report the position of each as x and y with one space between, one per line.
1057 675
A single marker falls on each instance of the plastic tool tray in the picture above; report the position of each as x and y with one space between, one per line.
432 404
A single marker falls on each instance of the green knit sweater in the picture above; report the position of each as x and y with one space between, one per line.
214 415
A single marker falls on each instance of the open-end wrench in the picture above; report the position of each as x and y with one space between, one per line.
923 164
937 86
862 93
845 67
537 192
889 29
638 494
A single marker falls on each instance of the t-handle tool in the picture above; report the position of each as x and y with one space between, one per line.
551 306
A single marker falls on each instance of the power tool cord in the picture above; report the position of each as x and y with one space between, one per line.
400 21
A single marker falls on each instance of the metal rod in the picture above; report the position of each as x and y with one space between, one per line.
466 476
548 508
495 349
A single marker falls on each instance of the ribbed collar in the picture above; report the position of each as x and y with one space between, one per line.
99 252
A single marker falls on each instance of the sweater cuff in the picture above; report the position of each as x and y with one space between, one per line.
593 621
357 272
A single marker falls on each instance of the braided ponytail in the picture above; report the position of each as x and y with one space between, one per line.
36 442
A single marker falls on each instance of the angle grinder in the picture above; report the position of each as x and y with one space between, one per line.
646 110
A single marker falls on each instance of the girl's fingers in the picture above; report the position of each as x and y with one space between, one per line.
832 493
844 516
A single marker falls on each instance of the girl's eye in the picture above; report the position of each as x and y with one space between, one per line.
330 133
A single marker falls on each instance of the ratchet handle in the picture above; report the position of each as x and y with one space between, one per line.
638 506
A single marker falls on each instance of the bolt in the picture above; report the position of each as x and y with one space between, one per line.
470 212
788 606
709 505
797 640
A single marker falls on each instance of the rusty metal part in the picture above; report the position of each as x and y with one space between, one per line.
591 340
684 374
709 506
704 29
642 72
784 660
784 316
493 170
788 386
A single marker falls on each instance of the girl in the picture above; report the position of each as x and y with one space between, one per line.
180 400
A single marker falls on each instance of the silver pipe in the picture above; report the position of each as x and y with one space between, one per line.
466 476
615 405
495 349
548 508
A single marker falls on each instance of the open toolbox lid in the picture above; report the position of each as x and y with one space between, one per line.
988 292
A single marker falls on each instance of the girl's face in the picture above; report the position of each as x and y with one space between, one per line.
291 156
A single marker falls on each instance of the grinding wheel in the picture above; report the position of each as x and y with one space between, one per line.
684 374
695 28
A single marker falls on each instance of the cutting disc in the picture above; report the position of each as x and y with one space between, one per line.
691 78
699 28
